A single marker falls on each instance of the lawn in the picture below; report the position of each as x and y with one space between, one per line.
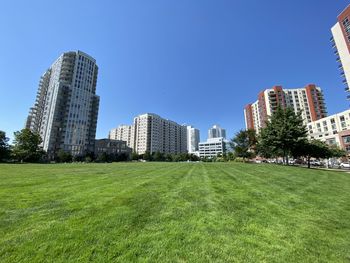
173 212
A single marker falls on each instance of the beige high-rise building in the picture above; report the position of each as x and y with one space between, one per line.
151 133
124 133
155 134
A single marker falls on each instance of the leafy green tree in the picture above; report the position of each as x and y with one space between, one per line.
64 157
88 159
135 156
244 144
147 156
230 156
168 157
158 157
316 149
337 152
4 146
78 158
26 146
104 157
283 132
193 158
121 157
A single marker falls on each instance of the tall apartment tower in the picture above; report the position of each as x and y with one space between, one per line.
341 44
308 100
193 139
155 134
124 133
66 106
216 132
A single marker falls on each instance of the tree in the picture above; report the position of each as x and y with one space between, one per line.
26 146
169 157
337 152
64 157
135 156
244 143
193 157
283 132
158 157
147 156
104 157
4 146
121 157
316 149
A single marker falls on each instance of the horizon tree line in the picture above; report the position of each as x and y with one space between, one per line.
284 135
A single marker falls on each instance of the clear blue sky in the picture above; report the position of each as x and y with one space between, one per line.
196 62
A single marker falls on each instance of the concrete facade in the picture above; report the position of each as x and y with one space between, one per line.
153 133
341 45
212 147
193 139
115 147
334 130
309 101
124 133
66 107
216 132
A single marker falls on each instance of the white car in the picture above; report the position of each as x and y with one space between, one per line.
345 165
315 163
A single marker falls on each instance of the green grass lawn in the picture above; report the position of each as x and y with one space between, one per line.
173 212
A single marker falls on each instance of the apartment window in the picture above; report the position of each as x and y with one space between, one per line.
346 139
331 141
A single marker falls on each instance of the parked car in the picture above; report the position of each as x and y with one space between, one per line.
315 163
345 165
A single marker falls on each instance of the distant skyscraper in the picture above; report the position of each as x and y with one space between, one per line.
193 139
341 45
66 107
309 101
155 134
216 132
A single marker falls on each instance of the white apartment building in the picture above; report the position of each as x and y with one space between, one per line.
341 44
153 134
124 133
308 100
334 130
216 132
66 107
212 147
193 139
